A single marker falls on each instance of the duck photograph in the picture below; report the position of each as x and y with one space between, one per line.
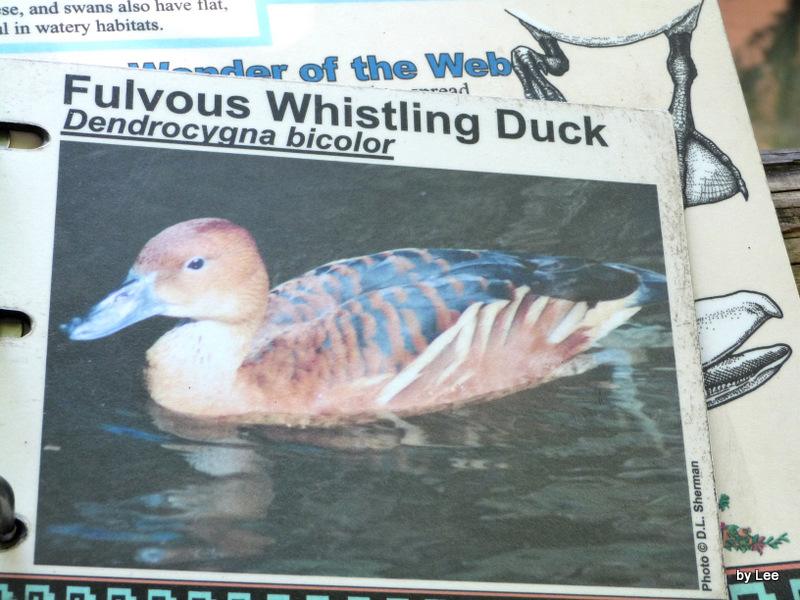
318 368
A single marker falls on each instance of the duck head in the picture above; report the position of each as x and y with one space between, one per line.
203 269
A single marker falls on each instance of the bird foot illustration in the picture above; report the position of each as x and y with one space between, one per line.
707 174
725 323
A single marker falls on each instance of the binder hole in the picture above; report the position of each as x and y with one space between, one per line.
21 136
12 530
14 323
15 536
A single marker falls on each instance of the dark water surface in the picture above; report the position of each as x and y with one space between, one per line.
580 481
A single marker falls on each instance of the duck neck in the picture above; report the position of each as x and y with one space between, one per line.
192 368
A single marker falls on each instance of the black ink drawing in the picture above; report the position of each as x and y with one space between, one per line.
707 174
725 323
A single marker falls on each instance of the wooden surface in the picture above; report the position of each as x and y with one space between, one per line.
783 176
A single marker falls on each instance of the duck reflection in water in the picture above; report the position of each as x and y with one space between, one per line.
204 523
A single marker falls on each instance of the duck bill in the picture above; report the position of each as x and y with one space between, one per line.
133 302
740 374
724 323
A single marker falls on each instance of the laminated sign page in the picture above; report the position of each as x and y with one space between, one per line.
657 54
295 340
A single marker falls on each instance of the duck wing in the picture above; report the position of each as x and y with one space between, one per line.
373 315
325 288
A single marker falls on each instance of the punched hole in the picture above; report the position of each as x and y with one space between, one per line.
21 136
14 323
12 529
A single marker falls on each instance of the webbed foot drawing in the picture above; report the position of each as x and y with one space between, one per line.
707 174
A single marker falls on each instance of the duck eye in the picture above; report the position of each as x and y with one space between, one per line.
196 263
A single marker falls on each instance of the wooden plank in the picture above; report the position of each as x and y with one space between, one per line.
793 248
796 271
788 155
782 168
